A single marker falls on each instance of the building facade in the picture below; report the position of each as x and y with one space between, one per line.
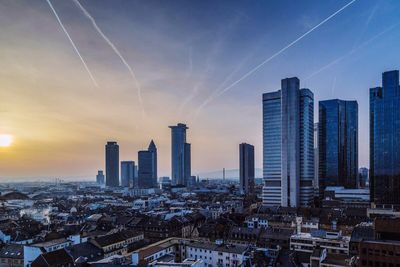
316 160
338 143
246 168
100 177
288 145
363 177
153 149
147 173
127 173
385 140
112 164
180 155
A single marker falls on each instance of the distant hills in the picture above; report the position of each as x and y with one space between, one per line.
229 174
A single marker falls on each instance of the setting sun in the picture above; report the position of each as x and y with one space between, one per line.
5 140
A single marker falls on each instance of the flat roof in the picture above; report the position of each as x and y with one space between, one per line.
50 243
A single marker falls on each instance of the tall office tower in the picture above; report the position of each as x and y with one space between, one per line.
316 160
112 164
384 171
100 177
180 155
153 149
136 179
288 149
338 143
306 147
187 164
147 174
246 168
127 173
363 175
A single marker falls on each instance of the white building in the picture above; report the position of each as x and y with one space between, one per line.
32 251
349 195
179 250
257 221
334 242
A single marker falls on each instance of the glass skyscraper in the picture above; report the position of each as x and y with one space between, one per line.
100 177
316 160
338 143
246 168
385 140
180 155
112 164
288 145
147 161
153 149
127 173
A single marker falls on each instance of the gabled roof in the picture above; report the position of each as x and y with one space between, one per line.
86 250
54 258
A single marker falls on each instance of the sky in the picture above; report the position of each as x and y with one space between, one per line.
158 63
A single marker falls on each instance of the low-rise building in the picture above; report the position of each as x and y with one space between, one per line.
117 243
32 251
12 255
212 254
334 242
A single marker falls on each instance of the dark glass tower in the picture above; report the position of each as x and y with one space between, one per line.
338 143
153 149
112 164
246 168
385 140
127 173
180 155
100 177
147 174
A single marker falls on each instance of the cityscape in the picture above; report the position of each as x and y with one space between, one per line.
102 164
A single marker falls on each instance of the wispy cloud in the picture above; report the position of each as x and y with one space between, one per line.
250 72
352 51
217 47
114 48
218 91
73 44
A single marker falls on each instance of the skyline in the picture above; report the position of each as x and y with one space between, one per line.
60 121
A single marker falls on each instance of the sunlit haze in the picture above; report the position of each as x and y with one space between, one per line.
129 69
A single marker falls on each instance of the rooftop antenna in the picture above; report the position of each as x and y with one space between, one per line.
223 174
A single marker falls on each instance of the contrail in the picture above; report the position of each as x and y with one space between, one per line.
73 44
285 48
111 44
352 51
210 60
217 91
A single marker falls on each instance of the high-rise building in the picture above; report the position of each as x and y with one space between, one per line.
147 173
384 171
363 177
187 165
180 155
127 173
153 149
112 164
165 183
246 168
338 143
316 160
100 177
288 149
191 183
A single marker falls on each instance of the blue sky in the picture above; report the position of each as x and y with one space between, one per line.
182 53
